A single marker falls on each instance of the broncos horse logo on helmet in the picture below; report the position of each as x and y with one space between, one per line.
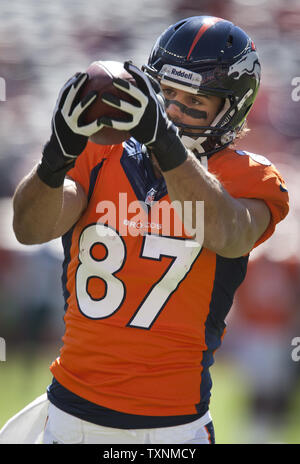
210 56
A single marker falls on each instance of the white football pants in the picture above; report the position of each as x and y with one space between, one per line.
64 428
41 422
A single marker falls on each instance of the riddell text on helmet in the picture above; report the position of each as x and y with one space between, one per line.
182 74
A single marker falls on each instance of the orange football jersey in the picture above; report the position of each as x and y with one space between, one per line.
144 311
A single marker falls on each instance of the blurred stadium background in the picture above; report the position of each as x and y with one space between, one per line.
256 397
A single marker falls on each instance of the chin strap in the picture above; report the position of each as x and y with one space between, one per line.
193 144
196 147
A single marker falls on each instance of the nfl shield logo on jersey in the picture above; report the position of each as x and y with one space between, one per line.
150 197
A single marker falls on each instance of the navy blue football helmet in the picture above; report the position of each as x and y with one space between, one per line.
212 56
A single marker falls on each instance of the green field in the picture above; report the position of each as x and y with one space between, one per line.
21 382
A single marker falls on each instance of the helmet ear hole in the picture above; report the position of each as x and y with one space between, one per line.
178 25
229 41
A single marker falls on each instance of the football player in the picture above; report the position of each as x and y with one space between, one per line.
145 313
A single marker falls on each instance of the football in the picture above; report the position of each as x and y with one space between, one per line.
101 74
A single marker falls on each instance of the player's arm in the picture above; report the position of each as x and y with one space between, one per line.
231 226
42 213
46 205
